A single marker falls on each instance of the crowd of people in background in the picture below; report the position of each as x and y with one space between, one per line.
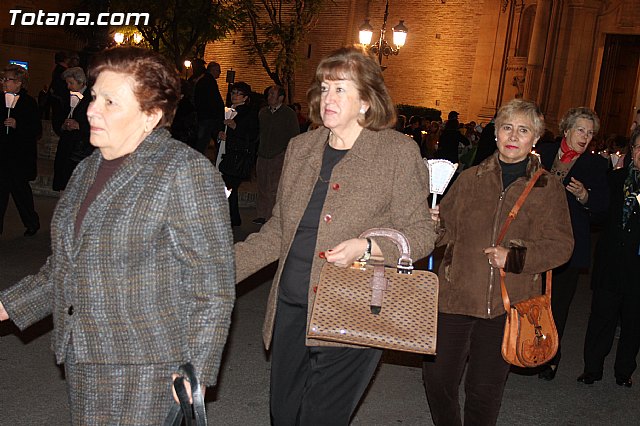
589 180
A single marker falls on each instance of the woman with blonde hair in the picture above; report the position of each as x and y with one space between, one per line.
471 314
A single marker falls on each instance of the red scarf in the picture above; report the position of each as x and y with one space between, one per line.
567 153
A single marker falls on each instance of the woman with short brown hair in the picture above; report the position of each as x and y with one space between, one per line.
140 279
351 174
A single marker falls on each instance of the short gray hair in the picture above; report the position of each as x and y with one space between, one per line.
75 73
570 118
521 107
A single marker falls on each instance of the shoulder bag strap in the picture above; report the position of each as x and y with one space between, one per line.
512 215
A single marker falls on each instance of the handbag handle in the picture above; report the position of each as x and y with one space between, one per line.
183 411
405 264
503 231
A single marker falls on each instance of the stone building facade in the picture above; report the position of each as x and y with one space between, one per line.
473 55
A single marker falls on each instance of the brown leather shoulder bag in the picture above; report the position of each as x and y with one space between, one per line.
530 334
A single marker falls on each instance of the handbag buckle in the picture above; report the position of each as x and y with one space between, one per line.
358 264
404 266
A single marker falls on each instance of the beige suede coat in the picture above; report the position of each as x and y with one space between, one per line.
380 182
472 213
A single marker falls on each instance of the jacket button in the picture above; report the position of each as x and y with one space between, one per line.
327 218
70 310
321 255
335 186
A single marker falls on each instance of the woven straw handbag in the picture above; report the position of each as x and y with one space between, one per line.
376 306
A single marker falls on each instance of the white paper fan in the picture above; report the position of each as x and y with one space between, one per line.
440 174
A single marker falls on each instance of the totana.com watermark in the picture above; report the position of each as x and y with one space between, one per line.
18 17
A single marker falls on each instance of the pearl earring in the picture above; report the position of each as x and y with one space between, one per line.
362 110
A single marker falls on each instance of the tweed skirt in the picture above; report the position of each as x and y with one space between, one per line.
112 394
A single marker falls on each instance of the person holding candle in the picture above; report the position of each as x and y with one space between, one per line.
18 148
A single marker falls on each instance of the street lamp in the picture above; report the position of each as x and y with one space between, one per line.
131 38
118 38
382 46
187 67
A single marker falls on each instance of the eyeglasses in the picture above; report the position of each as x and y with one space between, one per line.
635 147
3 79
584 132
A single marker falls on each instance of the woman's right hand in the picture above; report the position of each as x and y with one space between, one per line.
435 214
10 122
222 136
3 313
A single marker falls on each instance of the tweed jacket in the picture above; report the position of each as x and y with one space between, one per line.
381 182
149 276
591 170
472 213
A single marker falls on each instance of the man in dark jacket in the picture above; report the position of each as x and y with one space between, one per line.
209 106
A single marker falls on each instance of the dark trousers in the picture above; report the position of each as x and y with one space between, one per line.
268 172
316 385
607 308
20 190
564 284
233 184
206 127
477 342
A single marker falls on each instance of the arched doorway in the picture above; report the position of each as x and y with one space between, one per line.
618 84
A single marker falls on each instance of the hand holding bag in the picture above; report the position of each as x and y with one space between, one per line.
373 306
184 411
530 335
236 163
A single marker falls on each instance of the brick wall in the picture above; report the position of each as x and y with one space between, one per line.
434 69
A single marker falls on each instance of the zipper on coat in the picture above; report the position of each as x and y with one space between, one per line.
493 243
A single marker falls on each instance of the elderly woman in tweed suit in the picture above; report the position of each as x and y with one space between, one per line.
141 275
351 174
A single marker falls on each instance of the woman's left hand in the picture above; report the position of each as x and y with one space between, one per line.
187 386
347 252
10 122
578 190
497 256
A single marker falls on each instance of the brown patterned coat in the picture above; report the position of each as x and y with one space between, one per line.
381 182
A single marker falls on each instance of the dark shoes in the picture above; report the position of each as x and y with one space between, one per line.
627 383
259 221
589 378
30 232
548 372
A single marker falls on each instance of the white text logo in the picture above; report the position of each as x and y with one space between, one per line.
70 18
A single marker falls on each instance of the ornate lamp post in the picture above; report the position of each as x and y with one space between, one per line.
382 46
